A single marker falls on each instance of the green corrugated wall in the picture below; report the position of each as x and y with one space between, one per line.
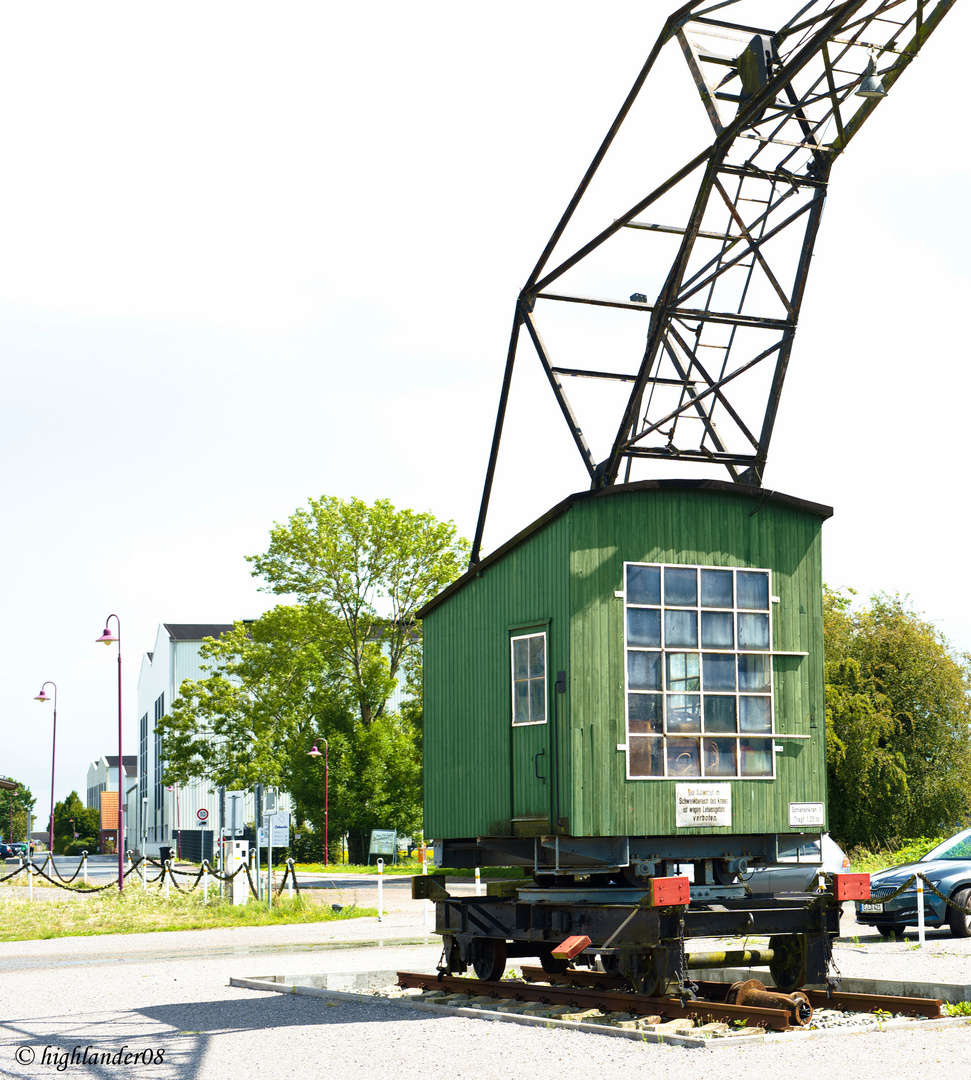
563 578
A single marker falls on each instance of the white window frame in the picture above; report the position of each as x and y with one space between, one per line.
513 681
765 739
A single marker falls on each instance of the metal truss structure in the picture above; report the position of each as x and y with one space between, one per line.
783 103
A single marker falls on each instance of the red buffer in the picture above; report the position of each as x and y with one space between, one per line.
851 887
669 891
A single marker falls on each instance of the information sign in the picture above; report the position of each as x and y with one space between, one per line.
276 828
703 804
383 842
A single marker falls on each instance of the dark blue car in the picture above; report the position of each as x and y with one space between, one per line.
947 867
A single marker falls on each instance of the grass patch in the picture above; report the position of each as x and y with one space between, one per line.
134 911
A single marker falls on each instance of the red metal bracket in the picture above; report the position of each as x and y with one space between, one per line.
670 891
571 947
851 887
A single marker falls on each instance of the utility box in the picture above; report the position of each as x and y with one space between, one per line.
236 855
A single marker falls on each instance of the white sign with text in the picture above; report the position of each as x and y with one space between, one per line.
703 805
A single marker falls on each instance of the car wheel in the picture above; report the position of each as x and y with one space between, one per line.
960 923
891 930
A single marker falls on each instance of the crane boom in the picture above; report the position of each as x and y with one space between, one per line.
783 103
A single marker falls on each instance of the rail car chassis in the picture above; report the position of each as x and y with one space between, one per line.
637 920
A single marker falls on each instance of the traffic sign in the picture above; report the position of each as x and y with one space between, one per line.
202 813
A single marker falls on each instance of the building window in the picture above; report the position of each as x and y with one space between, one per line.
159 807
529 679
142 761
699 672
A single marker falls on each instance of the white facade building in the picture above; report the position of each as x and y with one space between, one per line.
162 812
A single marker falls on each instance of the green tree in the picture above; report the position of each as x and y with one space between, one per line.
86 823
373 568
20 802
324 666
897 714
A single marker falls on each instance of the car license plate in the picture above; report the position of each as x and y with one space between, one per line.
871 909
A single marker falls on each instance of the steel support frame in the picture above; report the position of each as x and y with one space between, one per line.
764 179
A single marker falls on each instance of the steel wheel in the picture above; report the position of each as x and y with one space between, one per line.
489 961
553 965
789 966
960 923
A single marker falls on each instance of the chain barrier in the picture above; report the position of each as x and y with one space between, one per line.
80 867
927 885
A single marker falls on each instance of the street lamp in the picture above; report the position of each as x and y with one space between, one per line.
43 697
107 638
315 753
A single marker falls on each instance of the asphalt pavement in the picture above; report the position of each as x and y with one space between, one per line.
77 1006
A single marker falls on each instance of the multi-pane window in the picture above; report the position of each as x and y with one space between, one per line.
529 679
699 671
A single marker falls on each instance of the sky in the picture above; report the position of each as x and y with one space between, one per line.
251 255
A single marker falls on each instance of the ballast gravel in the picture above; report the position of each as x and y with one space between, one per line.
77 1004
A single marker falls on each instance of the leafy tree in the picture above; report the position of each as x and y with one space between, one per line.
87 824
325 666
21 801
897 714
372 567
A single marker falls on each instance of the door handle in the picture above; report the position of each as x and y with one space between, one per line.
536 758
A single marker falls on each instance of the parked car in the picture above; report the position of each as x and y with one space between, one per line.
14 850
799 871
947 867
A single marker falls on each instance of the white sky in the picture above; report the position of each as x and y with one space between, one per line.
252 254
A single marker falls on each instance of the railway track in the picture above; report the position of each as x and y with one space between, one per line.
595 990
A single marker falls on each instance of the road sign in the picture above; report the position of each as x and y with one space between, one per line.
202 813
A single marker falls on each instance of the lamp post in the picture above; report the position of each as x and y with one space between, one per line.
315 753
107 638
43 697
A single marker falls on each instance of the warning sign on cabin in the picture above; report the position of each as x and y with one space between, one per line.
703 804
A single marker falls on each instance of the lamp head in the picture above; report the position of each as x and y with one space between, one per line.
315 753
107 637
42 696
872 84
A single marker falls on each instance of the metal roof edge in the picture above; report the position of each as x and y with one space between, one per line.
763 495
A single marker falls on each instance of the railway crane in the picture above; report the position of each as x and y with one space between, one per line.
633 685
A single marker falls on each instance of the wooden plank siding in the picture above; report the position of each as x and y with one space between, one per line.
563 576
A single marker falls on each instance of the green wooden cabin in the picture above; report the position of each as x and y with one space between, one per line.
636 677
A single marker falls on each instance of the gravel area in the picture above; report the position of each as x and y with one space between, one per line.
169 993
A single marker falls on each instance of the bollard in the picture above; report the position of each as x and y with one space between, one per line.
290 879
84 865
205 881
920 911
166 874
380 889
141 873
425 904
478 882
30 878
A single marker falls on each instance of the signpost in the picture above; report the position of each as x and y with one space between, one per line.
275 833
